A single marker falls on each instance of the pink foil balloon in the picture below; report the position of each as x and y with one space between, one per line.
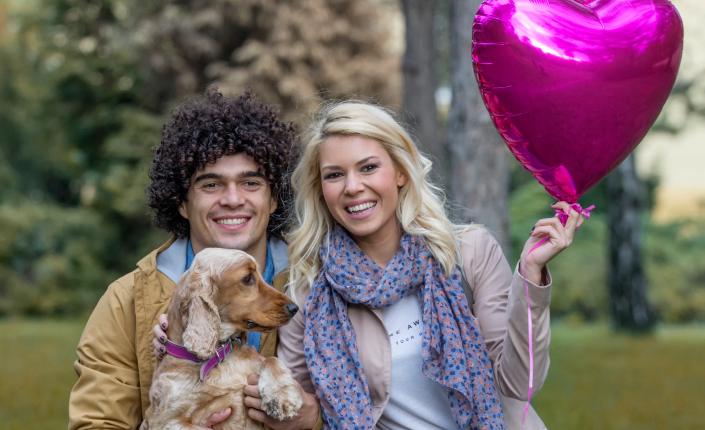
574 85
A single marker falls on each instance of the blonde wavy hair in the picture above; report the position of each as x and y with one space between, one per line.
420 210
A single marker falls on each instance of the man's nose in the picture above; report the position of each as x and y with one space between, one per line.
231 196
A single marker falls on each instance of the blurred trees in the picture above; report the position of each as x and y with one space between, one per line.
85 87
626 275
419 67
291 54
479 163
469 157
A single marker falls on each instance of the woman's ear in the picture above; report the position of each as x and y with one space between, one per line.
401 178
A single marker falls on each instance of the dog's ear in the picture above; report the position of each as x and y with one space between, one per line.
202 320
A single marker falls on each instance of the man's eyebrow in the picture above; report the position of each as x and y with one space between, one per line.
206 176
218 176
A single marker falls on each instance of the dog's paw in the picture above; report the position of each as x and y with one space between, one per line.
281 395
284 406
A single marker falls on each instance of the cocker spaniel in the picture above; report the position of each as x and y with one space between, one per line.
206 366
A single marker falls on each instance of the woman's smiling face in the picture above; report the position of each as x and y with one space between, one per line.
360 185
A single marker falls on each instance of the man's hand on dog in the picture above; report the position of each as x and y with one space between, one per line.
306 418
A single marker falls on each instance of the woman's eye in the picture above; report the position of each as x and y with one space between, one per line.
332 175
248 280
369 168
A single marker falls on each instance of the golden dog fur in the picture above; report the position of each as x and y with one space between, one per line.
221 296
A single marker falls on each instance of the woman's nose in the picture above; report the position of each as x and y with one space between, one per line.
353 184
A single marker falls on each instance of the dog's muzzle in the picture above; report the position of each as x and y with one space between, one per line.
291 309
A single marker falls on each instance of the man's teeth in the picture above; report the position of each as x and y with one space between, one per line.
361 207
232 221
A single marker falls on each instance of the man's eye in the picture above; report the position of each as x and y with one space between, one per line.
250 185
210 185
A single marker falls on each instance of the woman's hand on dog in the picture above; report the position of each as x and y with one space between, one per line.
159 351
159 340
306 419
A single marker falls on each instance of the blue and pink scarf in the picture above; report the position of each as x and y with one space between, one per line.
453 351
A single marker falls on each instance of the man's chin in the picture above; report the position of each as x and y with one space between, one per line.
240 243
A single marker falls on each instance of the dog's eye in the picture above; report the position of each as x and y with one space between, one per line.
249 279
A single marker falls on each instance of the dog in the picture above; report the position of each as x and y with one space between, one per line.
206 366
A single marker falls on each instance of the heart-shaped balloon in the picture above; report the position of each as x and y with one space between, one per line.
574 85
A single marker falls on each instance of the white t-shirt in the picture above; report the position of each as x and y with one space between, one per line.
415 401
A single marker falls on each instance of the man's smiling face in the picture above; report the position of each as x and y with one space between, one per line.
228 206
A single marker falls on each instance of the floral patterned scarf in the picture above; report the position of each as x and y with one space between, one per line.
453 351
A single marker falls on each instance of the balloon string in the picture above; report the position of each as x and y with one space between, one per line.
563 217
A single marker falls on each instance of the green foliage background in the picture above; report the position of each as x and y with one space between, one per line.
84 89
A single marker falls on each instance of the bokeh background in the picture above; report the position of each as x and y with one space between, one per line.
85 87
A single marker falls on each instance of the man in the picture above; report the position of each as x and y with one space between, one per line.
218 179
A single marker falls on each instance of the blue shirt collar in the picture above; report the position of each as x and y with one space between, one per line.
189 255
268 273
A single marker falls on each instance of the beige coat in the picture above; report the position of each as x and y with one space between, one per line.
497 300
115 354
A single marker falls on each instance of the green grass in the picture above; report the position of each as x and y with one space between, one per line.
36 373
598 380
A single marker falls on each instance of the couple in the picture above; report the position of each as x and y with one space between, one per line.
408 321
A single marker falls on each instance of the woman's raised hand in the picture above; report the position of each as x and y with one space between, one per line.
548 238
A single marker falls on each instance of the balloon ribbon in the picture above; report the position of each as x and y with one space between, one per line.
563 217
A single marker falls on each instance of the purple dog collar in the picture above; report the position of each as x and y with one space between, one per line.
179 351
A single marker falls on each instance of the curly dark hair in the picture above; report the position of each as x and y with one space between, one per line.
210 127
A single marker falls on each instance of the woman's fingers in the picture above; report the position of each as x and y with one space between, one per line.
160 338
564 206
551 232
554 224
572 223
163 322
159 349
159 334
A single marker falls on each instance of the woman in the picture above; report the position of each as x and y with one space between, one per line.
409 321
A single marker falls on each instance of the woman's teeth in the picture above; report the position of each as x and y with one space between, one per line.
361 207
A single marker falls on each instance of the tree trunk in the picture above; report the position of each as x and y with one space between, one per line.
479 178
420 81
627 281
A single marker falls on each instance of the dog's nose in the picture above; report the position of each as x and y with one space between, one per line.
292 309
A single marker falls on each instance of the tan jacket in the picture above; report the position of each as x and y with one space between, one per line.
115 355
497 301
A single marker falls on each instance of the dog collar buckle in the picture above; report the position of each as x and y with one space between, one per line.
216 359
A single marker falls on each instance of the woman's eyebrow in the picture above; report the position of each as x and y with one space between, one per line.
363 161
